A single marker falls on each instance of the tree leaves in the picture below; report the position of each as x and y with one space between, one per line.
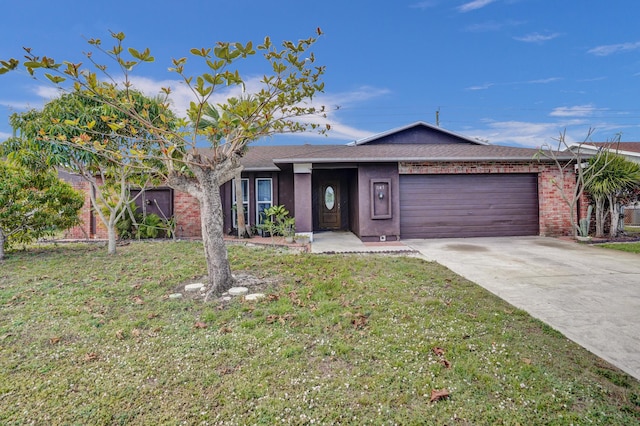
144 56
34 204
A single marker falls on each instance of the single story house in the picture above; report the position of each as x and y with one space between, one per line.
417 181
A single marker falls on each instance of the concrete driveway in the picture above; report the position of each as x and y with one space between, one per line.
590 294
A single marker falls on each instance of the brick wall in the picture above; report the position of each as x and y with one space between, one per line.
84 231
554 213
81 231
186 210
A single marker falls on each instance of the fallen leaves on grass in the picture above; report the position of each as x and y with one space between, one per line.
54 340
91 356
295 299
440 353
138 300
200 324
282 319
438 394
359 321
120 334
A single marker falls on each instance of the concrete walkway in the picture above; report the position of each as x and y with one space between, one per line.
590 294
346 242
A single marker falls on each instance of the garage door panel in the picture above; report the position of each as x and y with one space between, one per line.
439 206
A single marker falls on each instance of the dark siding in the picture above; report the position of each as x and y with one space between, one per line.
157 201
419 135
444 206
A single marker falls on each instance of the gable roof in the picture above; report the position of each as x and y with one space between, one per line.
422 127
399 152
416 142
267 158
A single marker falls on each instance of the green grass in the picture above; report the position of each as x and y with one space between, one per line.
90 339
628 247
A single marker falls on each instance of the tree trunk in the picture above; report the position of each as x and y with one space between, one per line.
600 216
2 241
211 217
242 226
112 237
614 212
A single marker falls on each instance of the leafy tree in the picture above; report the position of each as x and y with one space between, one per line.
33 205
210 117
281 103
617 178
86 136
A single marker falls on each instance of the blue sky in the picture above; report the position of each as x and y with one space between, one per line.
511 72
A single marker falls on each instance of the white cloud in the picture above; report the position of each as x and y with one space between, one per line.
574 121
481 86
473 5
181 96
610 49
4 136
15 105
545 80
574 111
43 93
47 93
529 134
486 86
537 37
517 132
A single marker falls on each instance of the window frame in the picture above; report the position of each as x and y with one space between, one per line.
268 203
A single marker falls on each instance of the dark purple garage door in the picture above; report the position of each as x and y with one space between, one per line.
482 205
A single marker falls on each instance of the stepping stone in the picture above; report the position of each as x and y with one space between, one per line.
194 287
227 298
238 291
175 296
254 296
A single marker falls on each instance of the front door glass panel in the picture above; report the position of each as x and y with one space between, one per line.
329 198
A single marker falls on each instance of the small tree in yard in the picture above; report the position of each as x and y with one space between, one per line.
33 205
574 171
614 185
281 104
59 136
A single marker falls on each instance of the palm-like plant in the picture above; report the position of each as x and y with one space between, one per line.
616 176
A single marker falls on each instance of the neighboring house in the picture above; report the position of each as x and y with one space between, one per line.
417 181
629 150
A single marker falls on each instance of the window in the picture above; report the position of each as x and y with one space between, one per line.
245 201
264 197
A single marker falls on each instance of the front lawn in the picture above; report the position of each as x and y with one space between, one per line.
628 247
343 339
